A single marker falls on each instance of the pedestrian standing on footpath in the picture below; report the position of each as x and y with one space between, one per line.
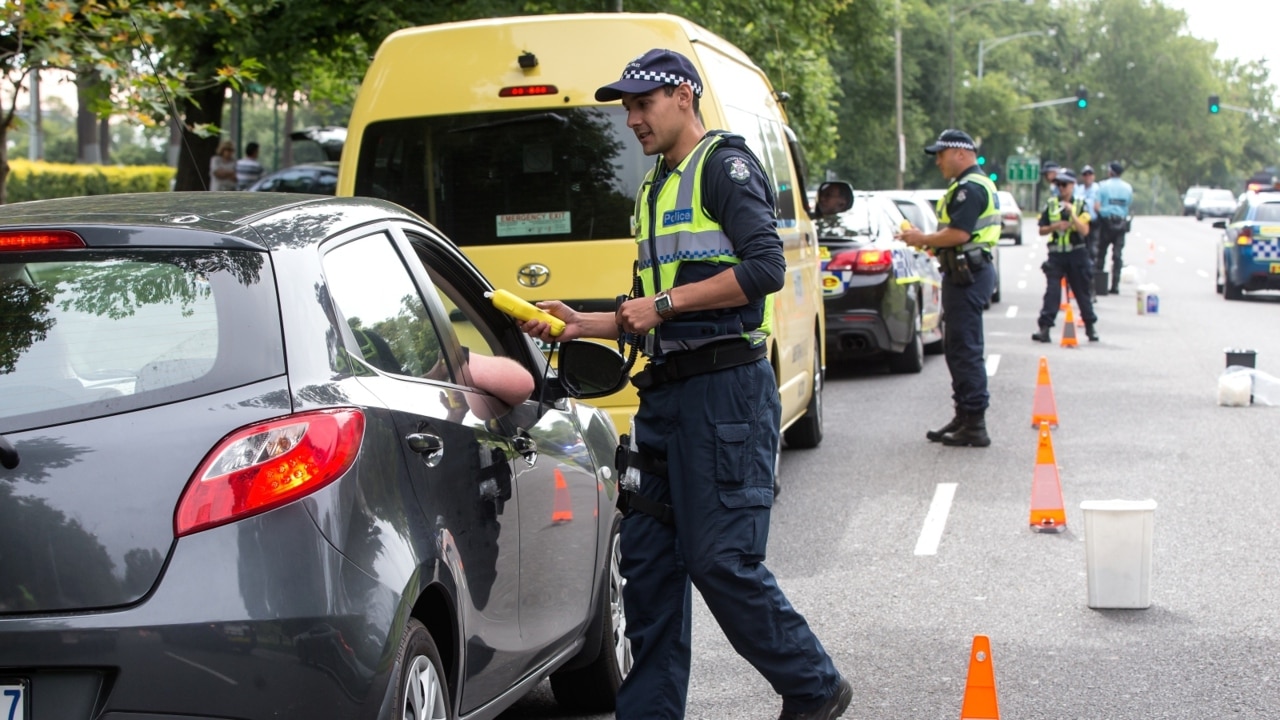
968 230
1115 200
248 169
1066 221
707 429
222 167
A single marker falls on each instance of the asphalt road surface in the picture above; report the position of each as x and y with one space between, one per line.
898 601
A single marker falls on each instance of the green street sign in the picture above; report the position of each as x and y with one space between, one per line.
1023 169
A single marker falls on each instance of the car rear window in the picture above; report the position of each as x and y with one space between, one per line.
88 333
1268 212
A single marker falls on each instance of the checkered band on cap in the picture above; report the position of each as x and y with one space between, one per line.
665 78
955 144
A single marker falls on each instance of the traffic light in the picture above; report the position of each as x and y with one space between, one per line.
1213 104
1082 97
993 171
982 159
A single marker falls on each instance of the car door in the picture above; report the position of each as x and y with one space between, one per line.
459 461
555 476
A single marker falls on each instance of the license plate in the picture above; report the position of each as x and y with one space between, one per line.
1275 268
13 699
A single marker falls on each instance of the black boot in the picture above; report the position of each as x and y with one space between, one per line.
1043 335
950 427
1090 333
972 432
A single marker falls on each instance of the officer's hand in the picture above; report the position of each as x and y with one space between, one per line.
638 316
542 330
912 236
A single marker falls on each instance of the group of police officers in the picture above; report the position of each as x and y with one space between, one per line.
696 509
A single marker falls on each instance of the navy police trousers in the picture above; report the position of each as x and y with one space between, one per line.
719 434
962 308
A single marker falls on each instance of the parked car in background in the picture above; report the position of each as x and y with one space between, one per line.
1010 217
881 296
1190 198
311 179
1250 256
1215 202
241 448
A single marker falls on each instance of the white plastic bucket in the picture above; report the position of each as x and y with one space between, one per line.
1118 544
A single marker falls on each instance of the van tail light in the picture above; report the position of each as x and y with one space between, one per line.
864 262
40 240
269 464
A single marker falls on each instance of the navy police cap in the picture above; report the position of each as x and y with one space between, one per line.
651 71
952 139
1064 176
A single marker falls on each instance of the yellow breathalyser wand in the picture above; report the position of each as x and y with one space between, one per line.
519 309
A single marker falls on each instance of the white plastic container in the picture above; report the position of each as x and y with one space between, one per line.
1117 547
1148 299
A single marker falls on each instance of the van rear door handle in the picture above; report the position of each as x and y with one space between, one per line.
429 446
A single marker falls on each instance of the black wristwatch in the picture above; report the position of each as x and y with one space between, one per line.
662 303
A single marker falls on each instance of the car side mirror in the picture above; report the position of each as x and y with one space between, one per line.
589 369
1220 224
833 198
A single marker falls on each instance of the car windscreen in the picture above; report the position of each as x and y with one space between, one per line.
88 333
858 222
1267 212
509 177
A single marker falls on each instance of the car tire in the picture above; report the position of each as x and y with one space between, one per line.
807 431
911 359
594 688
422 692
1217 278
1230 290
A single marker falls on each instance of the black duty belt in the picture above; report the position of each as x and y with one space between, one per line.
716 356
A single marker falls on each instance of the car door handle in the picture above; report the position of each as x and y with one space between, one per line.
429 446
527 448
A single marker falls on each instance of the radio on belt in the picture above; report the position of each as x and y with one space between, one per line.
519 309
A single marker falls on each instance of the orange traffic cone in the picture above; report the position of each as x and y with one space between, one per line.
980 688
1044 409
1047 512
562 509
1069 330
1066 295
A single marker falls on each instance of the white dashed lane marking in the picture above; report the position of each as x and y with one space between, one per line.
936 520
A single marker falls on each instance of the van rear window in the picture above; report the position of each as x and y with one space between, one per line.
509 177
88 334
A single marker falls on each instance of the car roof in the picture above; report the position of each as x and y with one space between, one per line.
263 219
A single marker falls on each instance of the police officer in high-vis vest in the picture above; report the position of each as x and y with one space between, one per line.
968 230
707 429
1066 221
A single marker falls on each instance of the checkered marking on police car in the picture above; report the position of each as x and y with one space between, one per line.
1266 250
665 78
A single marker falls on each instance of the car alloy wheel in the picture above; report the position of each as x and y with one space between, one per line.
423 694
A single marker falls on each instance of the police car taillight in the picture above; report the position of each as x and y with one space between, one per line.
528 90
39 240
862 261
1246 235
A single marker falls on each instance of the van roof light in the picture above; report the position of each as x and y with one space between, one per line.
39 240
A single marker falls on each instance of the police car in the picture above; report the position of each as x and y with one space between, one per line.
1250 257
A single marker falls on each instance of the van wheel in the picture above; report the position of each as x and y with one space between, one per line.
807 431
594 688
422 693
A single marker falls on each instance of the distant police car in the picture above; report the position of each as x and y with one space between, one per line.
1250 257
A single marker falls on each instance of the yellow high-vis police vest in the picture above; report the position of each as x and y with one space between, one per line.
676 229
986 232
1061 241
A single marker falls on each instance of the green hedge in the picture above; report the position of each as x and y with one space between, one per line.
41 180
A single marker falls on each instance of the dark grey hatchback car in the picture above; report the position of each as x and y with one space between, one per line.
245 472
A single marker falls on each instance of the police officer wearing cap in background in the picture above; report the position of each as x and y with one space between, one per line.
1115 199
1066 220
969 228
707 429
1087 190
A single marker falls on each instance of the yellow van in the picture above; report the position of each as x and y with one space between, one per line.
490 130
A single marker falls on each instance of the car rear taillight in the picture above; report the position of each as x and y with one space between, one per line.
266 465
1246 235
1010 216
866 262
39 240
